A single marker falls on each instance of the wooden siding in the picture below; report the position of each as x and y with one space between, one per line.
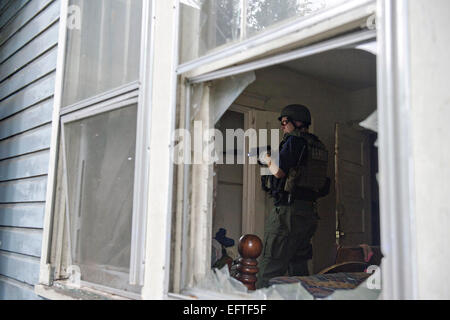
11 289
28 51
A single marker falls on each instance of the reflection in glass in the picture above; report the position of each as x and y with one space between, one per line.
206 25
103 47
264 13
100 157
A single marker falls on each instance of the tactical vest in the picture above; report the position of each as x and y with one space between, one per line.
311 170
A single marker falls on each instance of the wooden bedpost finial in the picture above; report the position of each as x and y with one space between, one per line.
250 247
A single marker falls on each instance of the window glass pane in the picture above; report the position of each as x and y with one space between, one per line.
103 47
208 24
264 13
100 157
261 14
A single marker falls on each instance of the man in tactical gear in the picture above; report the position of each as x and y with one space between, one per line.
296 183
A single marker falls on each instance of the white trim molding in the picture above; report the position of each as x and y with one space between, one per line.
162 126
397 216
45 276
334 43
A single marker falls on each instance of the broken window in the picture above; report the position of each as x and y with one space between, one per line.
338 83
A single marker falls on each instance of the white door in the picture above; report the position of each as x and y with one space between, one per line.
352 161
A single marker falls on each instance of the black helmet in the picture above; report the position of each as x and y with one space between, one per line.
296 112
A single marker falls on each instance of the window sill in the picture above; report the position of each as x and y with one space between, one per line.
62 291
181 296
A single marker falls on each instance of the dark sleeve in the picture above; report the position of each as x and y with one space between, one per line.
325 189
290 153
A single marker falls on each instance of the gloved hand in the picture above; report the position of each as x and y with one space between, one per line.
266 159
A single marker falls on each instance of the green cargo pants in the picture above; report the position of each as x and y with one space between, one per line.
287 241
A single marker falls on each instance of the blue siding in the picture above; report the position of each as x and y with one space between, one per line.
29 119
32 29
22 215
34 71
21 240
13 266
23 190
11 9
11 289
23 17
34 93
30 165
42 43
28 49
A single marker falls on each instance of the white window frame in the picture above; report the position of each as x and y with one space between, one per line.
132 93
97 108
396 197
198 266
396 159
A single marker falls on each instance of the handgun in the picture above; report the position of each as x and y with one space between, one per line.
256 152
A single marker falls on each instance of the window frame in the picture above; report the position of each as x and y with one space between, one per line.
127 94
392 89
191 269
397 198
81 114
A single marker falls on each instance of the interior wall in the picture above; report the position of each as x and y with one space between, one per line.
362 103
